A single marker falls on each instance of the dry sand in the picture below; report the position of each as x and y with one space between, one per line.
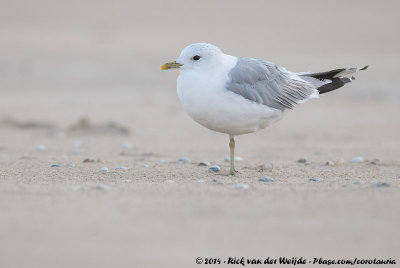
101 62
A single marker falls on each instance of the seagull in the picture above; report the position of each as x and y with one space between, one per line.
236 96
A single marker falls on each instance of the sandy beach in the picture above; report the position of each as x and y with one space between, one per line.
81 90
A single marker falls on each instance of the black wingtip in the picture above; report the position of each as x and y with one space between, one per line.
337 82
364 68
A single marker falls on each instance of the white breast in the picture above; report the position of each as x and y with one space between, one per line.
204 97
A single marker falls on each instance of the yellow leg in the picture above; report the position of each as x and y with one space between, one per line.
232 171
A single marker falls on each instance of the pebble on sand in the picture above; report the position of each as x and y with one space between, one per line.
126 145
121 168
357 159
163 162
55 165
375 162
104 170
329 163
303 161
380 184
204 163
102 187
144 166
199 181
183 160
40 148
314 179
266 179
266 167
214 168
240 186
215 181
339 162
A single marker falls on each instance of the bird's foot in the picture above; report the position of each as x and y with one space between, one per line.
228 174
233 172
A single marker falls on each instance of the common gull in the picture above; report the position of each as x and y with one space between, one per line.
236 96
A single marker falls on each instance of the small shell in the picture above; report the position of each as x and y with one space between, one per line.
357 159
121 168
214 168
240 186
183 160
380 184
266 179
55 165
102 187
104 170
40 148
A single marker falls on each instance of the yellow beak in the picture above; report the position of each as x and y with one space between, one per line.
171 65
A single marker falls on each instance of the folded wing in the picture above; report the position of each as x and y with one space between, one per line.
269 84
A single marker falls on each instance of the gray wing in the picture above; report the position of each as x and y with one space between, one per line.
267 83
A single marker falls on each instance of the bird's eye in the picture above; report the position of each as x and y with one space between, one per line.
197 57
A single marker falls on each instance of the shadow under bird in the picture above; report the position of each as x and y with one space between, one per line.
236 96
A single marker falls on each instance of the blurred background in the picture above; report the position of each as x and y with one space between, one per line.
61 61
81 80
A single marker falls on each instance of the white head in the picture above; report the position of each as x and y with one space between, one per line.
195 56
